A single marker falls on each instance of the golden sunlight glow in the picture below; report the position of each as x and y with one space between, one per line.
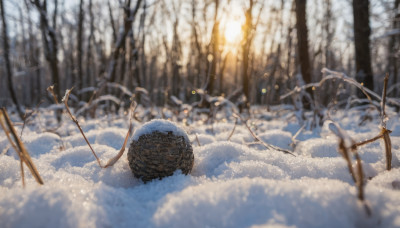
233 31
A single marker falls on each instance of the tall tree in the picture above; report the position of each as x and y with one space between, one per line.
394 45
362 32
79 40
246 44
49 38
6 51
213 53
302 41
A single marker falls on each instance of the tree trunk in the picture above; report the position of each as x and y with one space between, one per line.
362 32
6 51
79 40
49 43
248 27
212 73
89 58
212 64
394 45
302 41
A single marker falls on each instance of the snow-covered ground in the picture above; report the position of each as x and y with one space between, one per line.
233 183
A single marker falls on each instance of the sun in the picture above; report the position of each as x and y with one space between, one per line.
233 31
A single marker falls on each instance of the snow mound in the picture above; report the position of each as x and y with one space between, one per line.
278 138
232 184
244 202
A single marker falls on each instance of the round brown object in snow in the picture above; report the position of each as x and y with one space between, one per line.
158 154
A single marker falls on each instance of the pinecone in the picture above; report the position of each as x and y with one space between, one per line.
159 154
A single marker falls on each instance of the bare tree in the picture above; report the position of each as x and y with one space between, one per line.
49 38
394 46
213 53
129 17
247 30
9 72
362 31
89 56
79 40
302 41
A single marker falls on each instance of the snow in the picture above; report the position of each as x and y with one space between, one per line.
234 183
163 126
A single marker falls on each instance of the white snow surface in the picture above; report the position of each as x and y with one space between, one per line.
163 126
233 183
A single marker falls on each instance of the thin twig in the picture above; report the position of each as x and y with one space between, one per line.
369 140
268 146
385 132
19 147
51 90
233 130
65 100
296 135
28 115
344 150
113 160
383 102
388 148
197 140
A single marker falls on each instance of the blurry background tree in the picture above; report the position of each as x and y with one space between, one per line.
362 32
252 49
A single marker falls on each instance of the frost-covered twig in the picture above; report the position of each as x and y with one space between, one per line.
96 101
337 75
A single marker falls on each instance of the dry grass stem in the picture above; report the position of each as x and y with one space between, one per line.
347 145
344 151
28 115
383 101
268 146
19 147
388 148
65 100
197 140
113 160
51 90
293 144
233 129
384 131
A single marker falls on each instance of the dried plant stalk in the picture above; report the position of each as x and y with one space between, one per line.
197 140
388 148
257 139
113 160
344 151
19 147
51 90
385 132
358 177
65 100
233 130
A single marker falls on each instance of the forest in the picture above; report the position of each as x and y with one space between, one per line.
176 51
